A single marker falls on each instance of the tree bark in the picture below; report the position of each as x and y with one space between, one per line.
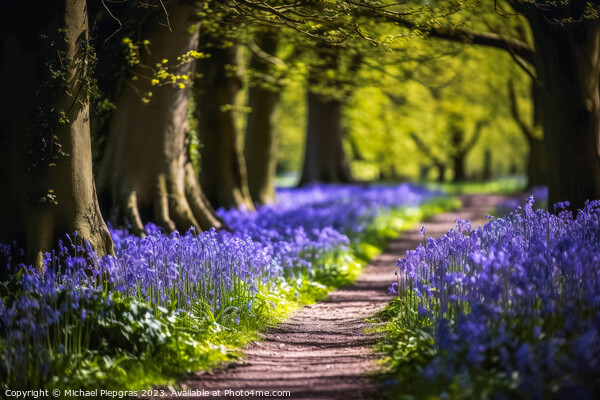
568 65
536 159
261 141
536 165
45 151
146 174
223 172
324 156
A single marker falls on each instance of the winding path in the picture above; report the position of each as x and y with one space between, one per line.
322 351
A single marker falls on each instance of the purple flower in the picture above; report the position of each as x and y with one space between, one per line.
489 294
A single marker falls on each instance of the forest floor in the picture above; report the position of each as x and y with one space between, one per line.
322 351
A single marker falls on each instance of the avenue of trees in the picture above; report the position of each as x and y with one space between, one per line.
132 112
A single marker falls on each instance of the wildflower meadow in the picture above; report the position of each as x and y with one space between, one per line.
508 310
166 304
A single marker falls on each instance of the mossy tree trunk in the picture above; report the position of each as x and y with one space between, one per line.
261 141
223 169
146 174
48 188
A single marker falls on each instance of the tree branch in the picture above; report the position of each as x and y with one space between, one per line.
475 137
525 128
528 68
511 45
263 55
425 150
361 8
454 34
263 6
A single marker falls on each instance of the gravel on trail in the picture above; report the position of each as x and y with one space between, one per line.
322 350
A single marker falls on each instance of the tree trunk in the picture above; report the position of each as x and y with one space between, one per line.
461 148
223 170
260 148
458 154
324 157
441 173
424 172
146 174
536 165
568 66
458 163
45 151
486 174
536 159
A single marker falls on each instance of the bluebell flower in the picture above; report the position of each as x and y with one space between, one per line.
497 296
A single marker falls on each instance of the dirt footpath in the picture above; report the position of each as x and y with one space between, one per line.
322 351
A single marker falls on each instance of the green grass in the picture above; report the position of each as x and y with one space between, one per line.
497 186
371 242
408 347
169 346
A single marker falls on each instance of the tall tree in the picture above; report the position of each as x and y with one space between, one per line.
147 174
324 156
223 168
45 151
567 60
261 140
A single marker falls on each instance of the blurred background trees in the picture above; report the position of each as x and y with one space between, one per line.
204 104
